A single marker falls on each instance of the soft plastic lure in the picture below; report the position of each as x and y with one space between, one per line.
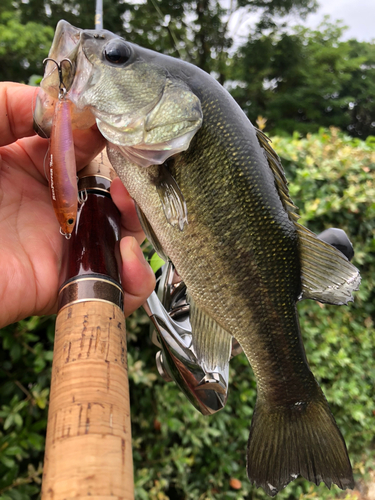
62 163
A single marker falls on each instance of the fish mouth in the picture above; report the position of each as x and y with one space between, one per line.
66 45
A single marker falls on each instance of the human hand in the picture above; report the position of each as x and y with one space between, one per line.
30 241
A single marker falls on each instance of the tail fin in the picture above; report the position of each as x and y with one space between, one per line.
300 440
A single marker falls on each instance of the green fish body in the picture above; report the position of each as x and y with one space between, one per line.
212 197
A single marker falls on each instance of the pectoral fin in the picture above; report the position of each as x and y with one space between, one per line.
326 274
172 199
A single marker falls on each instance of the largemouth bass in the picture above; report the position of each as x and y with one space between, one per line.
212 197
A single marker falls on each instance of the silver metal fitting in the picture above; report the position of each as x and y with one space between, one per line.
169 310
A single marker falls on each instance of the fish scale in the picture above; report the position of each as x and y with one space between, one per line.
247 316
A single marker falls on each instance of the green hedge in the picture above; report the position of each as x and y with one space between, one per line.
179 454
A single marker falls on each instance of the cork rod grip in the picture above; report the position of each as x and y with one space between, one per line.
88 446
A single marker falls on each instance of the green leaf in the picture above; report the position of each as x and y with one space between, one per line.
7 462
156 262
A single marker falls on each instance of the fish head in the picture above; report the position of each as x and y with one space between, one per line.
132 97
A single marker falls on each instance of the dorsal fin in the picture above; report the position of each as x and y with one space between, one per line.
326 274
278 172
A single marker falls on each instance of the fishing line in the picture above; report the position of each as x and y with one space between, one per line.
33 102
166 26
36 124
44 162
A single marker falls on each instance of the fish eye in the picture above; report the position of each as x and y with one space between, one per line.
70 222
117 52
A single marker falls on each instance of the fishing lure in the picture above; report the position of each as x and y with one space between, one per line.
62 163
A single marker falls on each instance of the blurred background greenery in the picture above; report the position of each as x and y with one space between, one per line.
298 78
302 86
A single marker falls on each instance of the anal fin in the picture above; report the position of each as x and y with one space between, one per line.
212 344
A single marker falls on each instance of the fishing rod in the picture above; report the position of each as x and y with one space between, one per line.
88 445
99 15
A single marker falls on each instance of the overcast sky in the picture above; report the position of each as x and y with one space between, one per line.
358 15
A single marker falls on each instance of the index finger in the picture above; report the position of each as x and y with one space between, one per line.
16 111
17 104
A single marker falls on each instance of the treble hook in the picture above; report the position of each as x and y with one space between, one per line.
82 197
62 87
67 235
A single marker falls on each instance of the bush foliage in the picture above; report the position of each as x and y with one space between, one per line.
179 454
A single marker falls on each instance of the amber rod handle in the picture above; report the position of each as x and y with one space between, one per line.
88 446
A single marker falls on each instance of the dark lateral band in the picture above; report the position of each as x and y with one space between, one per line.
86 288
